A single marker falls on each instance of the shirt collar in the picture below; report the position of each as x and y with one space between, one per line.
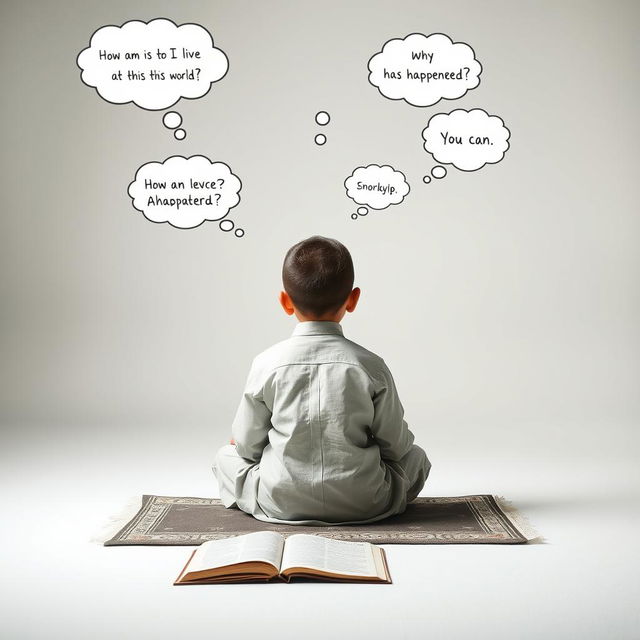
317 328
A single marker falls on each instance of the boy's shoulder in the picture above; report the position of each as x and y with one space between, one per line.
365 355
337 349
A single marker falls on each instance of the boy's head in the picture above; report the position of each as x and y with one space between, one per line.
317 275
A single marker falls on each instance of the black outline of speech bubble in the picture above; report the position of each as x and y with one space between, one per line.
415 33
489 115
366 204
198 155
195 24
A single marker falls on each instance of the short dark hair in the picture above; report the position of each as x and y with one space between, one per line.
317 273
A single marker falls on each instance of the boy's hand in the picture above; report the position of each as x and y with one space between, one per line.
232 441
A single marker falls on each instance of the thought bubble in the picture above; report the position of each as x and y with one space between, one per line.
172 119
466 139
438 172
424 69
185 192
376 186
323 118
152 64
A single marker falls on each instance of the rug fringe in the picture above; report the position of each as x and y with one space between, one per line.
519 520
117 521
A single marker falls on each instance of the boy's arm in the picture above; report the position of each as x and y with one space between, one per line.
389 428
252 422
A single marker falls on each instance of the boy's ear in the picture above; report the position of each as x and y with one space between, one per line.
352 300
285 303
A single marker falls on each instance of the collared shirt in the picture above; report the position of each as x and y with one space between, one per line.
321 417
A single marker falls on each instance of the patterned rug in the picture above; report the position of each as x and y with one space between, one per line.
479 519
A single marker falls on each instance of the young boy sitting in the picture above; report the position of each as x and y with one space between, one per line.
319 436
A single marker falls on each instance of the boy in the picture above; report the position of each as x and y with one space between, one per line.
319 436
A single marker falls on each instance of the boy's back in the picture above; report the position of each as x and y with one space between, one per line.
319 415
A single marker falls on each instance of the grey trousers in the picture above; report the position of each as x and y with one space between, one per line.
238 479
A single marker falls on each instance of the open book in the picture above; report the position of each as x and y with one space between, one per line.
267 555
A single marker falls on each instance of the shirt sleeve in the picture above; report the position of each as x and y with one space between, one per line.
389 428
250 428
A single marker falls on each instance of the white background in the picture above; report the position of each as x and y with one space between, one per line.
505 302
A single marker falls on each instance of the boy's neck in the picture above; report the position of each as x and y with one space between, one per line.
329 317
307 319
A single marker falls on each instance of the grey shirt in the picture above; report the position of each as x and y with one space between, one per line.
321 417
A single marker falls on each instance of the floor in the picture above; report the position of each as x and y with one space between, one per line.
59 487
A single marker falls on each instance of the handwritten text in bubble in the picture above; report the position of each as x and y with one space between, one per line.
152 64
466 139
376 186
185 192
424 69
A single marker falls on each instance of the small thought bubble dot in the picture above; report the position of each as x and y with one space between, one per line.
226 225
172 119
438 172
354 216
322 118
239 233
426 179
180 134
320 139
362 211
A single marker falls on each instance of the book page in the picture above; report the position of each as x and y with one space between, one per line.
261 546
324 554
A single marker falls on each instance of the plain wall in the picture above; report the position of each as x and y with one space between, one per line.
505 301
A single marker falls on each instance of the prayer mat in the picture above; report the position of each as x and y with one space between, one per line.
477 519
